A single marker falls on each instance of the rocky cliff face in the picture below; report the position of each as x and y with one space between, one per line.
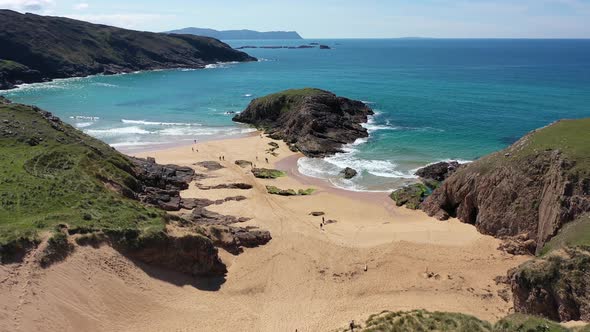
314 121
529 190
38 48
556 287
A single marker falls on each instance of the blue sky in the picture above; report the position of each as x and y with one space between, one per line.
337 19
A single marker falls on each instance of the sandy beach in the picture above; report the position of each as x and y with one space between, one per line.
306 278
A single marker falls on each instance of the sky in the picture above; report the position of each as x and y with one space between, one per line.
336 19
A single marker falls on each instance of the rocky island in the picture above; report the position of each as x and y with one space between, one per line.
315 122
40 48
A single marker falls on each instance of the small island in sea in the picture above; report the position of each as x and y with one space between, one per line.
227 233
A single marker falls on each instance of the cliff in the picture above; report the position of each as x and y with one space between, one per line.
39 48
316 122
238 34
527 191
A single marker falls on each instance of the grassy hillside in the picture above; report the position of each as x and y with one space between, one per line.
52 174
421 320
571 138
60 47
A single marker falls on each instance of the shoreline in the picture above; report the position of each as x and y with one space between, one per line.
290 166
17 87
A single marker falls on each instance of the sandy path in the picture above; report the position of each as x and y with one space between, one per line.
305 278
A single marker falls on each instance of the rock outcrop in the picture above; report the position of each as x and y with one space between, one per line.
556 287
39 48
349 173
532 188
190 254
411 196
439 171
161 184
316 122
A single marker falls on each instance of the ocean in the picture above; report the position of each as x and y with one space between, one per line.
435 99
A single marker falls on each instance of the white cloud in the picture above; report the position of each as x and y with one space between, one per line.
128 20
81 6
26 5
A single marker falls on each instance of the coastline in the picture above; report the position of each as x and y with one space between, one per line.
318 273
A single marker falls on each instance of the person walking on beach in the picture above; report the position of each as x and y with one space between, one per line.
193 149
323 220
322 226
351 325
266 160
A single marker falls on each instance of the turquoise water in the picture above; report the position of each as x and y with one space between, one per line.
435 99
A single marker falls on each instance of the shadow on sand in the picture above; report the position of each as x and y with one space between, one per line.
204 283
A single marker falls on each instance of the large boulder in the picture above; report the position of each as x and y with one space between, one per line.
349 173
316 122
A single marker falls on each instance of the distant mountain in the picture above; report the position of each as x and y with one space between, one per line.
36 48
238 34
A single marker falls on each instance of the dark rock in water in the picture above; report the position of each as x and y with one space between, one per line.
318 123
39 48
243 163
325 47
411 196
349 173
439 171
210 165
556 287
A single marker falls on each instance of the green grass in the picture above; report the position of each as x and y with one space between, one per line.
422 321
571 137
289 192
50 177
306 192
572 234
8 66
527 323
288 98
